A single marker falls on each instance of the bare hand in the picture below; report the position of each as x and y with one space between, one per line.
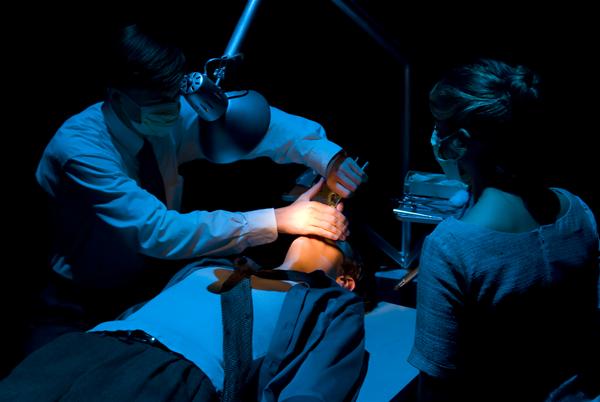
344 176
306 217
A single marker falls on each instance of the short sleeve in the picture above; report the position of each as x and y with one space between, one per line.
440 309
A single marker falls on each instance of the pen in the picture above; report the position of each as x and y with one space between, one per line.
407 278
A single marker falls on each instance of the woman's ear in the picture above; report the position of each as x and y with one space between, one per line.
346 281
464 134
460 142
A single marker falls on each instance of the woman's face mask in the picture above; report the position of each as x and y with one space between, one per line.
446 157
155 120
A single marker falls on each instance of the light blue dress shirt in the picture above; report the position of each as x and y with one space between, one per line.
186 317
311 340
108 224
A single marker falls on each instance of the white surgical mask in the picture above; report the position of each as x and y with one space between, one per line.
450 165
155 120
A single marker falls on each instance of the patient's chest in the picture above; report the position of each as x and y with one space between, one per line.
187 319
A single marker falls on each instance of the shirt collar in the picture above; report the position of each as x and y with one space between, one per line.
127 137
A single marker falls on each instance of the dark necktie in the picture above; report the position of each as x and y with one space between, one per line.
148 172
237 316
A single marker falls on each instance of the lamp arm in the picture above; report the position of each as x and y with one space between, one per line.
231 52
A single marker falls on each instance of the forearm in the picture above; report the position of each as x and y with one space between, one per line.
141 221
176 236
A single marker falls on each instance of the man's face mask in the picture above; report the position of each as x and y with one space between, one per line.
155 120
446 156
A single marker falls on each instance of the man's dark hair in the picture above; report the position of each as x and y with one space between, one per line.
353 265
142 57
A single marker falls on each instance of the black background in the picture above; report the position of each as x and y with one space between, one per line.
308 58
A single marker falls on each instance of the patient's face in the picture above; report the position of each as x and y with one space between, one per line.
305 254
308 254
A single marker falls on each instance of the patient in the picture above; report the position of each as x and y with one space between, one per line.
306 330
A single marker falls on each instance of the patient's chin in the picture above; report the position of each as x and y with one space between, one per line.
255 283
222 275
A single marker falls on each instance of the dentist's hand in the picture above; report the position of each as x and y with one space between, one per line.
306 217
344 175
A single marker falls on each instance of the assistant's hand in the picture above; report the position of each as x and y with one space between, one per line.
344 176
306 217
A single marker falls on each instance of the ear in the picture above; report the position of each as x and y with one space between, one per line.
463 135
461 141
346 281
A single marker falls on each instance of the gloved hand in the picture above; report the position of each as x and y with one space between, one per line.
306 217
344 175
